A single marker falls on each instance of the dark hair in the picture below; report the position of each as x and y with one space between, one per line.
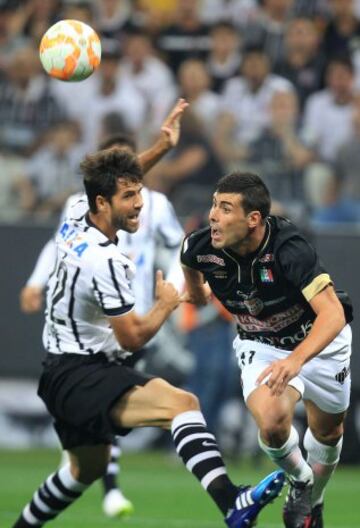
118 140
103 169
255 194
341 59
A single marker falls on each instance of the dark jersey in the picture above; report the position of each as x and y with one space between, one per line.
267 291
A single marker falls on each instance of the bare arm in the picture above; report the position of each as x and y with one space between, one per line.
329 321
133 331
197 292
168 139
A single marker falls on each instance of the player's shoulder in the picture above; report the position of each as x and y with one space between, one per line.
288 237
197 241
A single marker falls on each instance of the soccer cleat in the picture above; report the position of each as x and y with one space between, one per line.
116 505
317 516
297 507
250 501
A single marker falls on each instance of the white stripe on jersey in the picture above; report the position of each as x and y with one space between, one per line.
90 283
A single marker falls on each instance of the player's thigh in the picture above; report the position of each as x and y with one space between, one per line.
273 414
154 404
88 463
326 427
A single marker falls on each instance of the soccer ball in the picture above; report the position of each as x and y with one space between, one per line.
70 50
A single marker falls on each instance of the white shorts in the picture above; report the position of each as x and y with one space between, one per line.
325 379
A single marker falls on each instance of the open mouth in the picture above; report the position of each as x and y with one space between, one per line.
215 233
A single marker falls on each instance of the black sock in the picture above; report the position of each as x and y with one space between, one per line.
110 478
200 453
54 495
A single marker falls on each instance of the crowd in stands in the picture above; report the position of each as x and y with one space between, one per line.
273 87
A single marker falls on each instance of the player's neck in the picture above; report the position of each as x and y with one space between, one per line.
252 242
103 225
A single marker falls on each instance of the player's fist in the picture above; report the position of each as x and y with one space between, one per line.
166 292
31 299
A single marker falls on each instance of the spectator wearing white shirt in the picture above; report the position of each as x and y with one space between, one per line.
245 107
194 85
327 125
151 76
225 56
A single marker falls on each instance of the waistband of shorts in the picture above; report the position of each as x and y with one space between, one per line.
52 360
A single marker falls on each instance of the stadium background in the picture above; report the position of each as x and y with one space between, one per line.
155 51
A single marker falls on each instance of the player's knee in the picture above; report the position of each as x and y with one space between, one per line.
182 401
89 472
274 428
329 435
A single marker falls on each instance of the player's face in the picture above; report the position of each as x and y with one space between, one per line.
125 206
228 221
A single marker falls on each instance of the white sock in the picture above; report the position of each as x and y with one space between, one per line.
289 457
323 460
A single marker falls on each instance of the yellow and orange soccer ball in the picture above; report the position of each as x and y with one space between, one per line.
70 51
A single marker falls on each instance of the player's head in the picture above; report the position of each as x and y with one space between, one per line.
113 181
240 205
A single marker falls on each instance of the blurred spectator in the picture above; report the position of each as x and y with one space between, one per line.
151 76
194 86
342 203
245 106
240 13
114 18
27 107
157 14
104 92
328 125
189 175
225 57
328 113
10 38
82 10
278 154
304 62
33 17
51 174
342 33
268 29
187 37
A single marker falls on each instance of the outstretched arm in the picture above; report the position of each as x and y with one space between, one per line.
168 138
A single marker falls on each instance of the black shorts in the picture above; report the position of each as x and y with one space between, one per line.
79 392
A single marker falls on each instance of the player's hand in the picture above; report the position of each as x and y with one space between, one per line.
280 373
170 130
202 299
166 292
31 299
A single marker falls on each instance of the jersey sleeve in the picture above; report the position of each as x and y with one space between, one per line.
112 287
187 255
301 266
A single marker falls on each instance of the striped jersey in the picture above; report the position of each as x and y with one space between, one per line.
91 282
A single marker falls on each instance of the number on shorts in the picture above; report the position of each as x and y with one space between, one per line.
250 357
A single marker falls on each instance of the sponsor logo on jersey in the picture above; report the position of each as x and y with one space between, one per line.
286 342
273 323
220 274
268 257
73 239
213 259
266 275
342 375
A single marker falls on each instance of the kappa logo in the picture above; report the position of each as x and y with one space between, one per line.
342 375
212 259
220 274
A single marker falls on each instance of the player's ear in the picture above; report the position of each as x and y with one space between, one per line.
254 219
101 203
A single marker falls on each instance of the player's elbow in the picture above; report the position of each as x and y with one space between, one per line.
131 343
337 318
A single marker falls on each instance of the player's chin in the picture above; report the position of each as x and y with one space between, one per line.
132 225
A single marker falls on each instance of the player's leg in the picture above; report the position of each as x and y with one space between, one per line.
280 441
160 404
115 504
323 442
63 487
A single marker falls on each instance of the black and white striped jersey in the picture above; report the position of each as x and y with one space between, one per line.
90 283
